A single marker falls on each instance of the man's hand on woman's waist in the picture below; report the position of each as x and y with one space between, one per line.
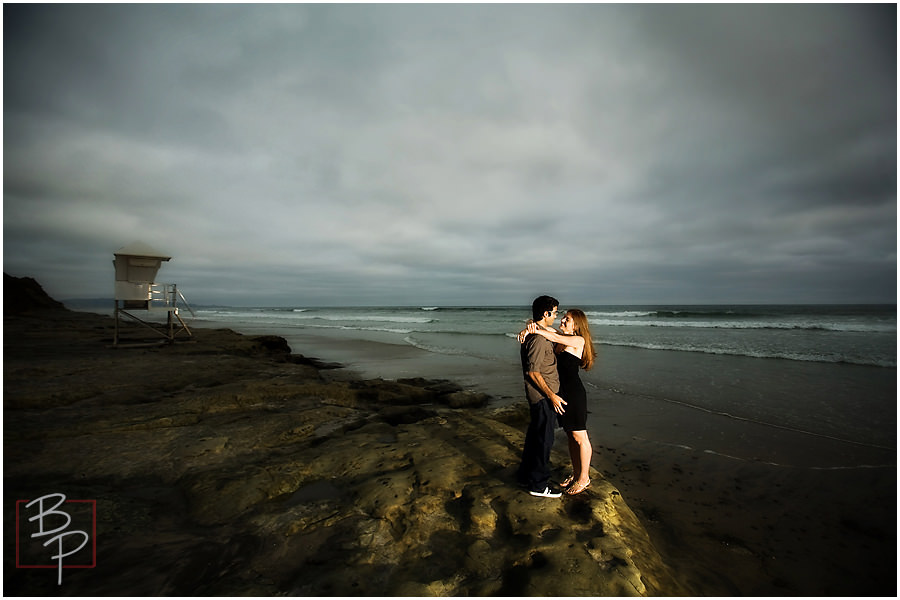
555 399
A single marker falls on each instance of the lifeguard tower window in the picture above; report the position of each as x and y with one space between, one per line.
142 269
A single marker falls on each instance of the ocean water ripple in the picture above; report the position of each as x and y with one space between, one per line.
762 423
768 462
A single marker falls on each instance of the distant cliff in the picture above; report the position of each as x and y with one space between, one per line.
24 294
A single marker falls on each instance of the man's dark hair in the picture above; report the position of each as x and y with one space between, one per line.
541 305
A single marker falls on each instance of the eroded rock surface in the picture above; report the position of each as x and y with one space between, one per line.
227 466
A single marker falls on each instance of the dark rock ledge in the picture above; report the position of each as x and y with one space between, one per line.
228 466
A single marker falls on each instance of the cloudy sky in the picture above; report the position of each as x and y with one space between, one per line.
455 154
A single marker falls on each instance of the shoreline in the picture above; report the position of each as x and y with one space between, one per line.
227 465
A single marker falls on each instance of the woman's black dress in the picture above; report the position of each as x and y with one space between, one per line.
572 391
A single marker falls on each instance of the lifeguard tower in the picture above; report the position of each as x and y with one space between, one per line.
137 290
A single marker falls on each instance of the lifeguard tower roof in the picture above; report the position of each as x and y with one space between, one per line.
142 250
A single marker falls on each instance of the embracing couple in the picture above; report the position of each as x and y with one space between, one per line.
550 363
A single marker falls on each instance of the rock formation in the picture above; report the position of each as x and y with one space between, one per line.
227 466
22 294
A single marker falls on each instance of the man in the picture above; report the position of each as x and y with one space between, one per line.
541 390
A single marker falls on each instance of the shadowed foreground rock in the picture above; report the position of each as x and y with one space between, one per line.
226 466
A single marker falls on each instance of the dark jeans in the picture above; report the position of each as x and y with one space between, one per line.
534 471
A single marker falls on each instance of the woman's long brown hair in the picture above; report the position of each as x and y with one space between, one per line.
583 329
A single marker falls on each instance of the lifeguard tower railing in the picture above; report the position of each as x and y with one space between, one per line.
156 299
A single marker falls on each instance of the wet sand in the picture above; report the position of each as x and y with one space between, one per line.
731 525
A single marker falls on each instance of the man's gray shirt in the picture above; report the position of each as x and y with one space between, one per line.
537 355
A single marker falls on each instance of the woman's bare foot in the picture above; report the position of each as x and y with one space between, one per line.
578 487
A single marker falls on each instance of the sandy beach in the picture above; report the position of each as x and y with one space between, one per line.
732 526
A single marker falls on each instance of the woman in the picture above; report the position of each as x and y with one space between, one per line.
575 349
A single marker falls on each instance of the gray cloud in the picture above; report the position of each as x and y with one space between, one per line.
319 154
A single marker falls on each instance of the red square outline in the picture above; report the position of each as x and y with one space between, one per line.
56 566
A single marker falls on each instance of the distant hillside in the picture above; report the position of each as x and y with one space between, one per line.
88 303
24 294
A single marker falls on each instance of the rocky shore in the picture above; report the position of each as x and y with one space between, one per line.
226 465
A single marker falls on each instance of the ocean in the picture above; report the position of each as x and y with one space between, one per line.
864 335
824 370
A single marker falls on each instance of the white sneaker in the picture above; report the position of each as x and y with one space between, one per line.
547 493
